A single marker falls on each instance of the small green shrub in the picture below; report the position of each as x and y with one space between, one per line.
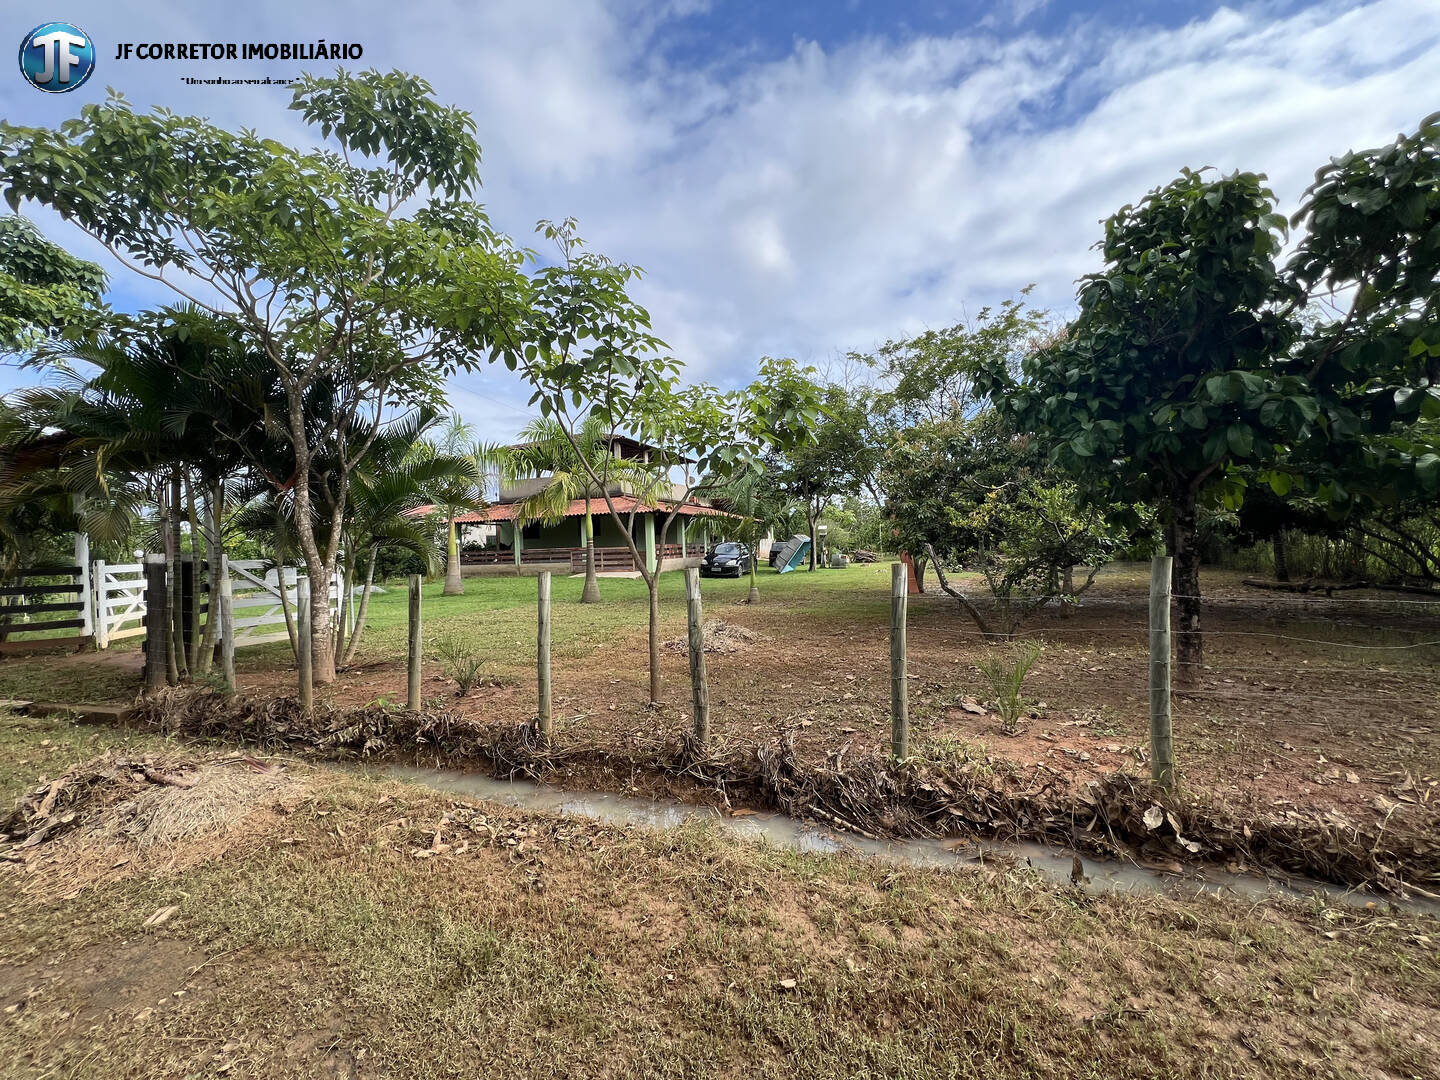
1006 675
460 660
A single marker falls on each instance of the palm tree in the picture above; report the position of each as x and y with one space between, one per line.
747 496
456 491
545 450
454 495
159 418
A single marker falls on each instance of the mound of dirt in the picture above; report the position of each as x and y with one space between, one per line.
720 637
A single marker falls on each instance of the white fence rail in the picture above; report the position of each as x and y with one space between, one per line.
258 609
119 600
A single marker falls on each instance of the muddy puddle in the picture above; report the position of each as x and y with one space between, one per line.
1102 875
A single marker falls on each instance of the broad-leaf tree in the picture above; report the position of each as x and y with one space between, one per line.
1172 369
1367 269
836 460
361 264
589 354
44 290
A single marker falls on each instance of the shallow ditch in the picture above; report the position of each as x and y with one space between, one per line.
1101 876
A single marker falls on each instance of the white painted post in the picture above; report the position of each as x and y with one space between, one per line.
899 689
82 560
542 652
102 621
695 638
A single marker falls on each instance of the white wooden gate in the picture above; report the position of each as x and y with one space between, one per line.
119 601
259 616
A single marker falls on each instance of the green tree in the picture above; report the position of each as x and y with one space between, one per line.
1366 272
589 353
44 290
836 460
362 265
969 493
1171 372
545 450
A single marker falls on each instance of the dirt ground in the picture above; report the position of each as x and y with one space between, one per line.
323 924
1305 702
1274 723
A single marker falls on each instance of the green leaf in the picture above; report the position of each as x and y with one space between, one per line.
1241 439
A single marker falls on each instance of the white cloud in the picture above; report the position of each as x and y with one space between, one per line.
837 195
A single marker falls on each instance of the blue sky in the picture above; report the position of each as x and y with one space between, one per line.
815 176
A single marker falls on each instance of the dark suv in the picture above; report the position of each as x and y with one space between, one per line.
725 559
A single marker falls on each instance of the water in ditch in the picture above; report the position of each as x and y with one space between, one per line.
1101 875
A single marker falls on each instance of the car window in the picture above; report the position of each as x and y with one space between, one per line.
727 549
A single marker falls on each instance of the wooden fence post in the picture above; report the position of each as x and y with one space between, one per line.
412 687
102 623
699 679
305 649
157 623
899 691
1162 752
227 626
542 650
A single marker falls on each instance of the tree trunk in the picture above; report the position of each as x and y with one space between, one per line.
591 593
919 562
454 583
654 586
1181 542
754 594
318 567
354 642
810 521
988 631
1282 565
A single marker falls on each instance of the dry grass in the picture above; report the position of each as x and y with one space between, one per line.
373 929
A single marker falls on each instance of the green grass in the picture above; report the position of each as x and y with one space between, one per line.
499 614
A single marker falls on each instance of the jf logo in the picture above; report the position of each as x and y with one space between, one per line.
56 57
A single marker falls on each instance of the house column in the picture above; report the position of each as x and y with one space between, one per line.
517 531
650 544
683 552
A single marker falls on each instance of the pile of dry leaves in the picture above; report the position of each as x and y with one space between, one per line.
720 637
116 814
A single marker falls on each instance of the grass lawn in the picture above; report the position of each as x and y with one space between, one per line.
351 926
